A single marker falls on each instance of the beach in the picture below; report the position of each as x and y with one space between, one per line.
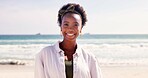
125 72
119 56
16 71
23 71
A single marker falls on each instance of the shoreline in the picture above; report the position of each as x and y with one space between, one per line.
32 62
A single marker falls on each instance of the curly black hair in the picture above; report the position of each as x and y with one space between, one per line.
78 10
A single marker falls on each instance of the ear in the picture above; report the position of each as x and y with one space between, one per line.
81 31
60 28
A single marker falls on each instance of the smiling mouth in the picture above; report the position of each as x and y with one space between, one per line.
70 34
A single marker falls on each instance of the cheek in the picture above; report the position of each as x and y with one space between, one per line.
80 29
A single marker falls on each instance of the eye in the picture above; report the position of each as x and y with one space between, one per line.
76 24
65 24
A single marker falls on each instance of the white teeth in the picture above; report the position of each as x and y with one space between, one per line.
70 34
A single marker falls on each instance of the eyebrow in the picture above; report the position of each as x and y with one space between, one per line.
68 22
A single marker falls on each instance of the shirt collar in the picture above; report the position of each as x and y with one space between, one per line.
78 50
57 48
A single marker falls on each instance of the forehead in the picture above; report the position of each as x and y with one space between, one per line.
71 16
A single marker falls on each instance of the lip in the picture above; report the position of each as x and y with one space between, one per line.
70 34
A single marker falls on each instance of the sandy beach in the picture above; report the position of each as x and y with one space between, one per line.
16 71
125 72
22 71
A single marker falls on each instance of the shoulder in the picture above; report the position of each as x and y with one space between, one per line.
44 50
49 50
89 57
87 54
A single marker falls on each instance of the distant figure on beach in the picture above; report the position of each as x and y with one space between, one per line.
66 59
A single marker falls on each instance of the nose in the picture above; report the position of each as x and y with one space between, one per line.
70 27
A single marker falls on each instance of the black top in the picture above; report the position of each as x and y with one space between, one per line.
69 68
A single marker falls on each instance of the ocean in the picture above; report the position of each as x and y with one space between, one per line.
110 50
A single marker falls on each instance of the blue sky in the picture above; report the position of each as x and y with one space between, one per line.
104 16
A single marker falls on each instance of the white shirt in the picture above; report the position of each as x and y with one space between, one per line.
50 63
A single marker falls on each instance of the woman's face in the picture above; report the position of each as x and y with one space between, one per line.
71 26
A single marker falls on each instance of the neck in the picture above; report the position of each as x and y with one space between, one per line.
68 45
69 48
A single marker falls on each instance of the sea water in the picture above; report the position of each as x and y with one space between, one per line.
110 50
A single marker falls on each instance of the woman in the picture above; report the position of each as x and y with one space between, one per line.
66 59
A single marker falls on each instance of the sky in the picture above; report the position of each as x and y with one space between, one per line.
104 16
